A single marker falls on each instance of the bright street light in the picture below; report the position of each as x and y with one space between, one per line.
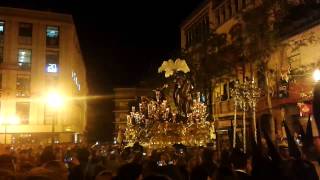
14 120
54 100
316 75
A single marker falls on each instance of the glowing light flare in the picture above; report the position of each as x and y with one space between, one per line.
55 100
316 75
12 120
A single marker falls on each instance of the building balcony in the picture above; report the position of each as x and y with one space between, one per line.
22 93
223 108
24 66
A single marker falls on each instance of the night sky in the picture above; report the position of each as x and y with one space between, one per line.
125 41
122 41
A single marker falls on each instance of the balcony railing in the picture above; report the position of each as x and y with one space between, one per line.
22 93
24 66
224 107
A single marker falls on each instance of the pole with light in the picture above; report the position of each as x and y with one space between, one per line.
54 101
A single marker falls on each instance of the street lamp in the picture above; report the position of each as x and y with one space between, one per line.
55 101
316 75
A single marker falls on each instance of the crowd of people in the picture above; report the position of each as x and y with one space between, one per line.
107 162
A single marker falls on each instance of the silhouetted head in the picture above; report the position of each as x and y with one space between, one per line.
199 173
239 159
130 171
47 155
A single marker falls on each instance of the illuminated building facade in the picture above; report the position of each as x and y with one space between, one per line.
40 53
289 69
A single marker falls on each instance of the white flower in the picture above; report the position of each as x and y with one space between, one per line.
181 65
170 67
168 73
167 66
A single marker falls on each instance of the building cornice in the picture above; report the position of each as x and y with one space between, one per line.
201 7
36 14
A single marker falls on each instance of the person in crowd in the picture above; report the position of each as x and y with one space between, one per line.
241 165
79 165
129 171
104 175
47 155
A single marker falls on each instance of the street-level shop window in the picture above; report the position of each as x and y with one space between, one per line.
22 111
23 86
24 58
52 36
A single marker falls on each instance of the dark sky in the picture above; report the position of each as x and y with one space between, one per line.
122 43
125 41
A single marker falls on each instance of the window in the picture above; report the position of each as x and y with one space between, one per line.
25 33
23 86
198 32
22 111
52 62
1 27
24 58
225 92
52 36
1 33
25 29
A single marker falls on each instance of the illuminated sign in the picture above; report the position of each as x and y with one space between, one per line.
75 80
52 68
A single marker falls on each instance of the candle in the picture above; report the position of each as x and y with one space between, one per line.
128 119
133 109
149 108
